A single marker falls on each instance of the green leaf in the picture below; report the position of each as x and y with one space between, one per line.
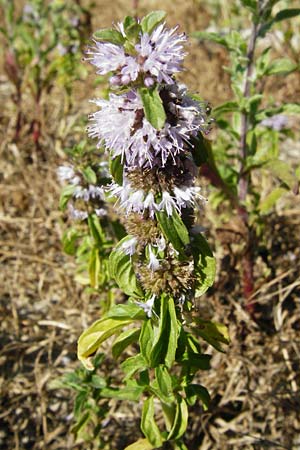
151 21
213 37
291 108
286 14
161 334
282 170
109 35
146 339
69 240
89 175
250 4
195 362
121 269
164 382
96 229
173 336
116 169
126 311
141 444
281 66
97 382
204 263
225 108
91 339
131 28
214 333
131 393
180 421
84 419
94 267
65 196
195 391
174 230
133 364
270 200
148 424
124 340
153 107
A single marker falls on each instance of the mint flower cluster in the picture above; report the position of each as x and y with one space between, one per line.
142 59
82 193
149 125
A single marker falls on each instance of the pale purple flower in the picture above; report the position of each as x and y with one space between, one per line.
67 173
129 246
161 53
148 306
138 201
161 244
77 214
186 196
277 122
167 203
158 56
101 212
106 57
96 192
153 261
120 125
91 192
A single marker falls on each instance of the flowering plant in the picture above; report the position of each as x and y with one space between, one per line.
153 131
245 164
41 52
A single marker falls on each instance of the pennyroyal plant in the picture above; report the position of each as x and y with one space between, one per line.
246 156
152 130
41 51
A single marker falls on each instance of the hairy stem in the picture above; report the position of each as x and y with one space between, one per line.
244 178
247 259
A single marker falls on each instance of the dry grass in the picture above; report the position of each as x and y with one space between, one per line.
254 386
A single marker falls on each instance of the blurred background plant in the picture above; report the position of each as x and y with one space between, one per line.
244 163
43 46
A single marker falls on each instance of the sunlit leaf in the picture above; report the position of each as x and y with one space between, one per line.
180 421
148 424
91 339
164 382
124 340
205 264
116 169
281 66
141 444
133 364
270 200
109 35
125 393
152 20
153 107
89 175
65 196
173 229
121 269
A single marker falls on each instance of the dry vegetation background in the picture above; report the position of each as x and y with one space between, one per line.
254 386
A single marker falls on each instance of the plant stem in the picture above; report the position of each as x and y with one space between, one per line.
244 178
247 259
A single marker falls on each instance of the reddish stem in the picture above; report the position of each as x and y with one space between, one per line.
243 186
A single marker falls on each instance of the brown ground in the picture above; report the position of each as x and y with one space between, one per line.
254 386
